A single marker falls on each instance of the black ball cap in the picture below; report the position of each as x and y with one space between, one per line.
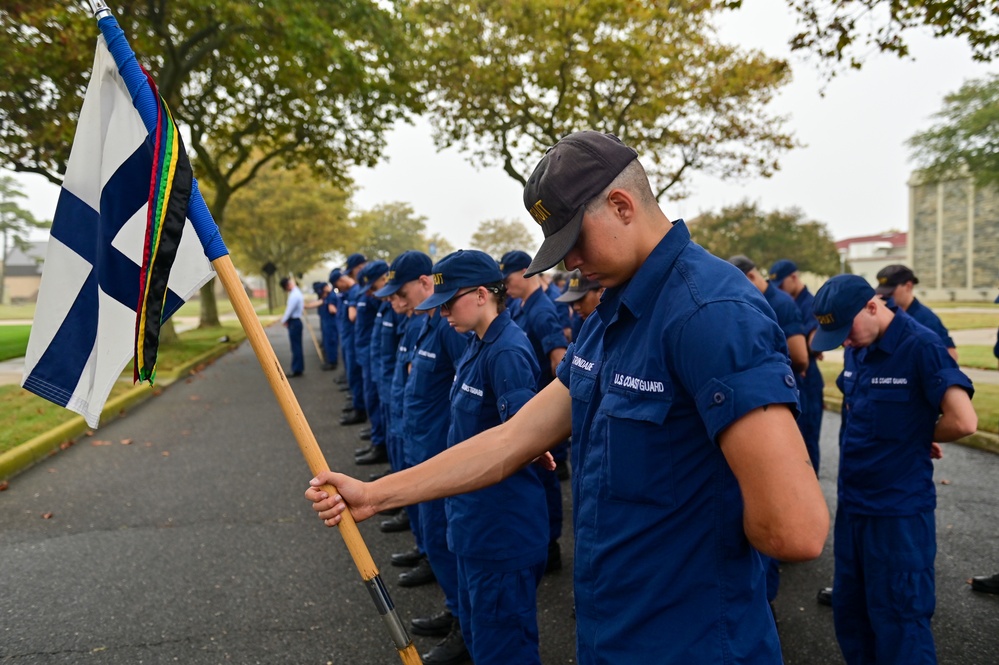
570 175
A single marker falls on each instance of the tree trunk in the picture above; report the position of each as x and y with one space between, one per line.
168 334
209 307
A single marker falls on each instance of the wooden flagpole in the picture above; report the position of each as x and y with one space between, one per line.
313 455
312 334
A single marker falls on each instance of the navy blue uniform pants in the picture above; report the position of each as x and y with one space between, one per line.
433 528
498 611
295 337
884 591
331 342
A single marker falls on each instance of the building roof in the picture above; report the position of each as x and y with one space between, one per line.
894 238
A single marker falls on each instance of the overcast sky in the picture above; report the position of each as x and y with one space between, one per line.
851 172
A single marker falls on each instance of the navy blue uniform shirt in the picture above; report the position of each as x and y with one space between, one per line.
508 521
538 318
427 414
788 314
892 391
663 570
924 315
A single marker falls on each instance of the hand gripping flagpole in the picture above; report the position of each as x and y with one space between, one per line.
208 233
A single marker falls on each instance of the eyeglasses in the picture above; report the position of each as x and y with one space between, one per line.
450 303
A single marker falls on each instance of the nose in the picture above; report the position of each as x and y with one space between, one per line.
572 260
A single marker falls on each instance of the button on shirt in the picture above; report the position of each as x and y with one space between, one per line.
892 391
296 304
663 570
508 521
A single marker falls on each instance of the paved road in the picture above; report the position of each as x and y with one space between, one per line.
193 544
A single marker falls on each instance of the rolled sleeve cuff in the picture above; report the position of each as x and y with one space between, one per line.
722 401
944 379
555 340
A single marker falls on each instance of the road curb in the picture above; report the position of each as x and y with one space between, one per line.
34 450
981 440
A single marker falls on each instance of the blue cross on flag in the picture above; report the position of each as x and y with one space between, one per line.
83 333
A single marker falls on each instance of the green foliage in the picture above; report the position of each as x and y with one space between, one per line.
506 80
298 81
288 217
388 230
496 237
965 138
767 237
846 30
16 223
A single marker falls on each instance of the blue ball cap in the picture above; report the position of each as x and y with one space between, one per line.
781 269
354 260
514 261
370 273
335 276
461 269
836 304
405 268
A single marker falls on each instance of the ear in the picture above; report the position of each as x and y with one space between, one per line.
622 204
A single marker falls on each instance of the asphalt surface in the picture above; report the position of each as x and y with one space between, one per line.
193 544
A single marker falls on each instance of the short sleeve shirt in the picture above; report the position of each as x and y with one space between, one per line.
538 318
664 572
892 392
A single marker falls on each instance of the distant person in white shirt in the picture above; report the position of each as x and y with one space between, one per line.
292 320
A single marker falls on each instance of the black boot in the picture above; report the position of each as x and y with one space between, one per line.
421 574
438 625
400 522
376 455
407 559
354 418
449 651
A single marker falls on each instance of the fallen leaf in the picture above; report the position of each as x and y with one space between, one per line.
158 392
52 470
46 516
945 482
65 444
90 432
4 485
165 453
126 442
194 398
100 442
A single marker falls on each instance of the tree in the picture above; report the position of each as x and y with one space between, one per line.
496 237
287 217
300 81
388 230
845 30
965 138
767 237
506 80
16 223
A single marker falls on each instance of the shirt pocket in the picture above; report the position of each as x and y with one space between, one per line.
467 402
891 411
639 457
422 375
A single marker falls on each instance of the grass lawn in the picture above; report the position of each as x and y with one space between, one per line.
968 320
14 312
973 355
986 400
13 341
24 416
